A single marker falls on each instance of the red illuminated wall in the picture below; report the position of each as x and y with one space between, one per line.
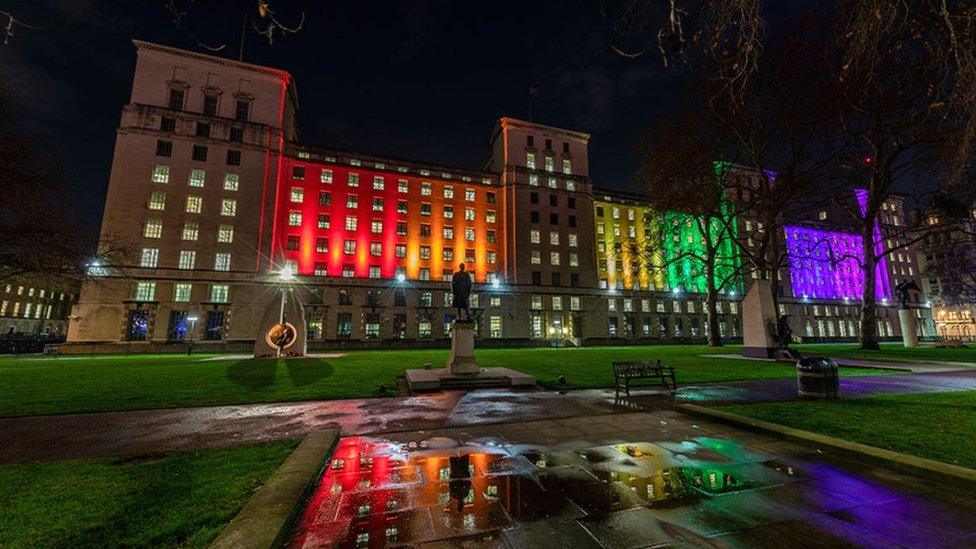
308 232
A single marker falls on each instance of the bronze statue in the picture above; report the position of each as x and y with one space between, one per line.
784 333
902 290
461 288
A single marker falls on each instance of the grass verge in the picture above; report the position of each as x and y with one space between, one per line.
180 499
936 426
35 386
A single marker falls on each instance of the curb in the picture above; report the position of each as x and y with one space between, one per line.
266 518
913 465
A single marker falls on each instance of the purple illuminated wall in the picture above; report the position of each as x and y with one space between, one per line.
827 264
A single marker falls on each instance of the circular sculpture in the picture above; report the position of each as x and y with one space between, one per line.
282 336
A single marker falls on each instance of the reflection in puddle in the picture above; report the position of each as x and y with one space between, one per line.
377 493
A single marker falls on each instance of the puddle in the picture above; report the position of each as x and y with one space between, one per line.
377 493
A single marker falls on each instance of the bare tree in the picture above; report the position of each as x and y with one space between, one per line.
685 183
40 236
905 99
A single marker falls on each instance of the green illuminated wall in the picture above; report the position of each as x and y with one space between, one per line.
683 246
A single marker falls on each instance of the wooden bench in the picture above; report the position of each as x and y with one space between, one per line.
624 371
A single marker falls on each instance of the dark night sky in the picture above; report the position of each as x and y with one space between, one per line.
420 80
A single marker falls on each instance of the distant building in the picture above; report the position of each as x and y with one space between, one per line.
31 306
949 245
211 179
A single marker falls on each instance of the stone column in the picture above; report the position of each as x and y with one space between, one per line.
462 359
908 334
758 321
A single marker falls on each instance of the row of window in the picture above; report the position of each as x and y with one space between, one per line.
197 177
549 163
145 290
187 260
40 293
297 196
403 186
191 229
176 100
14 309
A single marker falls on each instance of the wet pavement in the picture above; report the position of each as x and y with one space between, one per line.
46 438
624 480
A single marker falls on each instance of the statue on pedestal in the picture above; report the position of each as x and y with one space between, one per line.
784 333
903 289
461 288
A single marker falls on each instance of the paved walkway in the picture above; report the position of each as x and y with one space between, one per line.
626 480
44 438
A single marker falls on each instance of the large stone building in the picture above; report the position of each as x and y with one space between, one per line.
947 256
211 180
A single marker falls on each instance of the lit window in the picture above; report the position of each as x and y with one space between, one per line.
377 204
225 234
194 204
231 181
570 185
554 258
294 219
567 166
490 216
297 194
375 249
449 233
219 293
448 212
425 189
352 201
326 176
353 180
492 256
228 207
557 303
536 257
349 247
322 245
401 250
187 259
574 303
552 183
554 238
157 201
160 174
573 240
374 272
154 228
469 214
149 257
377 226
425 252
324 221
377 183
181 292
402 186
534 236
348 271
574 260
530 161
448 254
469 234
191 230
550 164
534 180
351 223
145 291
222 261
197 177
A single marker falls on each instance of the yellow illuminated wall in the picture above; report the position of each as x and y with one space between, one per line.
627 251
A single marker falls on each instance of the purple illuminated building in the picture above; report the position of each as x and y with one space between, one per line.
826 264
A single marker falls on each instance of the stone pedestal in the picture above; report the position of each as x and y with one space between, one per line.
462 361
759 322
908 330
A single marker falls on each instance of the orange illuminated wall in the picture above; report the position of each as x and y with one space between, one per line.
307 231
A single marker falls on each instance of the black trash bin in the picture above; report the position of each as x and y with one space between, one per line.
817 378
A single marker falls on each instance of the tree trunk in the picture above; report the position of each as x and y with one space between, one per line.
711 305
868 336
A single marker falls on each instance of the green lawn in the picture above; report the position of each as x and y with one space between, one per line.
33 386
937 426
892 351
177 500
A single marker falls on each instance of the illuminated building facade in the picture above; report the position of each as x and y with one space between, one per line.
220 198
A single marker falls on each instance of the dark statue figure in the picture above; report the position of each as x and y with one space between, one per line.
784 334
460 483
902 290
461 288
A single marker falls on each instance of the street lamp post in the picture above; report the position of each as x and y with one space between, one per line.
193 323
